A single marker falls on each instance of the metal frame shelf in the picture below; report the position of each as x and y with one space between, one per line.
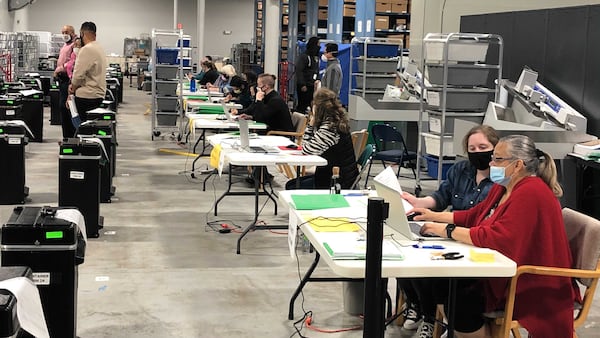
162 38
460 68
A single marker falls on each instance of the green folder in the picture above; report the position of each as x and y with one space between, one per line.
197 97
211 110
319 201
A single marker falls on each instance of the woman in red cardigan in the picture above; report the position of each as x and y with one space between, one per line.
521 218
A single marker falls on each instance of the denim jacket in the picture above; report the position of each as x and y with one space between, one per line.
460 190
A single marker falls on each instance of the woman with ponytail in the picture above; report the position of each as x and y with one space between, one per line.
521 218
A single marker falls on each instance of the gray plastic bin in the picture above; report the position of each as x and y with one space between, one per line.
166 88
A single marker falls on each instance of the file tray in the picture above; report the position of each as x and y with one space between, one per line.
167 56
466 51
465 76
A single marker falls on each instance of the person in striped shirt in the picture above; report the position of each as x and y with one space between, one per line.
328 135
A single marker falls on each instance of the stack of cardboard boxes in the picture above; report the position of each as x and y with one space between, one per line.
382 22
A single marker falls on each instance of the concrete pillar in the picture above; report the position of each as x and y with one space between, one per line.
312 17
200 14
335 18
272 15
364 25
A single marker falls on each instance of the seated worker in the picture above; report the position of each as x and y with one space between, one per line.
466 185
521 218
328 135
210 73
269 108
200 75
239 92
222 82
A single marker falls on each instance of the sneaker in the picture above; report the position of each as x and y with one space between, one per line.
425 330
411 318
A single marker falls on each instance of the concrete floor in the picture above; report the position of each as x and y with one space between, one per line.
157 269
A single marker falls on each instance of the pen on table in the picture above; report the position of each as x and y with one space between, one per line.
435 246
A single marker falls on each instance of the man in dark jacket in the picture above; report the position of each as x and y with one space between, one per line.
269 107
307 72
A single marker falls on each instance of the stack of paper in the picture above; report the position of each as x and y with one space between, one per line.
590 148
357 249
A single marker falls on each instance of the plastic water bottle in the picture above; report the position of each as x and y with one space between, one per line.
193 85
335 184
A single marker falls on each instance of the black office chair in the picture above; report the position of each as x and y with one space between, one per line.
391 148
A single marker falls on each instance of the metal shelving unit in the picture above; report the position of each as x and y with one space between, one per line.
167 78
461 76
374 63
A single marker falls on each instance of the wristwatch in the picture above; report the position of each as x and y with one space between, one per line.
449 229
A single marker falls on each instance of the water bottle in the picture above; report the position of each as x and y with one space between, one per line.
336 187
193 85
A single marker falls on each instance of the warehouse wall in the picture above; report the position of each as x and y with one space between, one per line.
6 18
236 16
115 19
426 15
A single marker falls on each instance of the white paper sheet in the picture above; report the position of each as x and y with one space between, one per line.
389 179
29 305
74 216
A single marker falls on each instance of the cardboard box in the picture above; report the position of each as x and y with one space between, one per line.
381 7
324 3
399 7
302 18
322 14
302 6
382 22
349 10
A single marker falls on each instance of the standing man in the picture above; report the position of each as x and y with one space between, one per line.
332 79
60 74
307 72
89 76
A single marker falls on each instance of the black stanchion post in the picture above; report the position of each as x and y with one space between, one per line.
377 212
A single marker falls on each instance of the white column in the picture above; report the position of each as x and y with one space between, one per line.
20 20
200 15
175 9
272 33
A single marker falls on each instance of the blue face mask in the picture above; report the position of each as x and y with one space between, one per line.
498 175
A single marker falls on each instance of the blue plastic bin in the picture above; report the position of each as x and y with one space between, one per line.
375 50
432 166
166 56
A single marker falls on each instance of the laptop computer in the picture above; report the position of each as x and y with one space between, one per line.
397 219
228 116
245 140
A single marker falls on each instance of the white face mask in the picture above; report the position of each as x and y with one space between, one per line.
76 50
323 58
66 37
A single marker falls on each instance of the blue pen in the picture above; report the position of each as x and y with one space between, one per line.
354 194
435 246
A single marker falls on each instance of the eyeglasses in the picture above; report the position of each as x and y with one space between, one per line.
501 159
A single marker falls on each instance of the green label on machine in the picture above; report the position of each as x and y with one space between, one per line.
36 96
54 235
106 117
10 102
1 130
67 151
101 133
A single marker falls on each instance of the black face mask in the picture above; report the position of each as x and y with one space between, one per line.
481 160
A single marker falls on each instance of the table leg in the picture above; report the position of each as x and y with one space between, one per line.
303 282
451 306
226 191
